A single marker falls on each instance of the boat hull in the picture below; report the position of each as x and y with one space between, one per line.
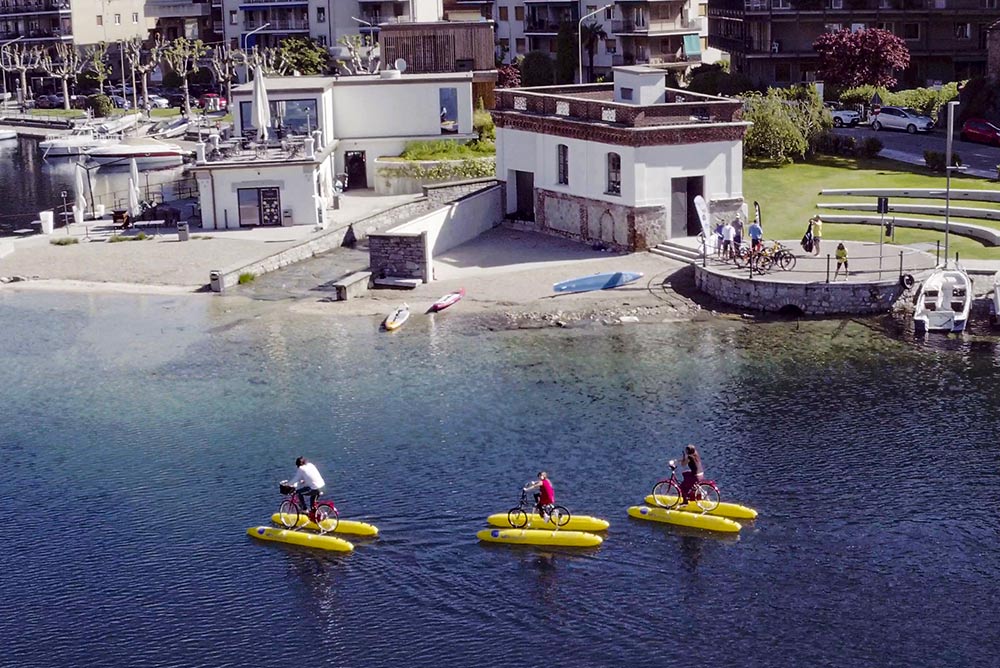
301 538
538 537
944 302
535 521
604 281
724 509
343 526
685 519
142 161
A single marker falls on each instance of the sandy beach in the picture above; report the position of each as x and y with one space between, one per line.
507 274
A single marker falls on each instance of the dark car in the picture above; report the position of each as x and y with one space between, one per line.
980 131
176 100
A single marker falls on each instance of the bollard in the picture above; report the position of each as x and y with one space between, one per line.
956 257
900 265
937 253
827 267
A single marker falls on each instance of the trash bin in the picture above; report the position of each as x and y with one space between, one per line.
183 233
215 279
47 220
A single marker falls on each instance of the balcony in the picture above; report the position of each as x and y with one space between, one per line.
678 26
38 35
277 25
36 7
176 9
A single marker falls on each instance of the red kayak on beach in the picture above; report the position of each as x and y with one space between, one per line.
447 300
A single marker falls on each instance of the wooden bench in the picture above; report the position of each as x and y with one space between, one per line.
353 285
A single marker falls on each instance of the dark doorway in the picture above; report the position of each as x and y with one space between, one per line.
684 221
695 187
524 193
357 171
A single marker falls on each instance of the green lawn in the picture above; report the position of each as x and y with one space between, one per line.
788 196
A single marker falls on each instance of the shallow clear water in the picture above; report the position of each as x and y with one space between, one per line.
144 435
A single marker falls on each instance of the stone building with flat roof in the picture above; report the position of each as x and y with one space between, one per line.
618 164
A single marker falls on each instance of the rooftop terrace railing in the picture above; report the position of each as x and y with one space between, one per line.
595 104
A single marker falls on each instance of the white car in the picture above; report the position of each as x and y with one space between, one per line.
158 102
845 118
902 118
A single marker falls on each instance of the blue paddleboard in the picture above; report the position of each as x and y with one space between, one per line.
611 279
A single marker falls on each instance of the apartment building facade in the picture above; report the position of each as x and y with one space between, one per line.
247 23
771 40
81 22
662 33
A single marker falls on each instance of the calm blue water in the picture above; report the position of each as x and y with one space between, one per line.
142 436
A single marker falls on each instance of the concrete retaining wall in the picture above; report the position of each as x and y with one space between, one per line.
6 248
434 197
818 298
393 253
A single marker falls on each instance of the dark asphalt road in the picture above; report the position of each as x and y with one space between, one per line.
978 156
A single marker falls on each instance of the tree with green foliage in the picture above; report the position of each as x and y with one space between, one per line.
508 76
63 62
566 53
99 105
305 55
97 62
773 135
183 56
364 55
590 35
806 110
537 69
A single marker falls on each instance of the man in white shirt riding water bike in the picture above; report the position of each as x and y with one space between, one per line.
307 481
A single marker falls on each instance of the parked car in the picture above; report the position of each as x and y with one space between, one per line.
177 100
843 117
120 102
902 118
158 102
980 131
212 102
48 102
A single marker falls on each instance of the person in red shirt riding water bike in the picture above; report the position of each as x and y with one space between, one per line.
545 497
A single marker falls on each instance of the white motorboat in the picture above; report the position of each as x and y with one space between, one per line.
170 128
148 153
77 142
7 134
944 301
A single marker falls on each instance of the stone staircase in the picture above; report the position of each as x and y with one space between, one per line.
680 250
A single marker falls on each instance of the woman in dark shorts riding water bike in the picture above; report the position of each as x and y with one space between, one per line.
693 473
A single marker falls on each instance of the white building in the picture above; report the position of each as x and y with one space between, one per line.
621 164
326 22
351 121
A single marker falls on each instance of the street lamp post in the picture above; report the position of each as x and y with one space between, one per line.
948 170
3 57
579 35
246 61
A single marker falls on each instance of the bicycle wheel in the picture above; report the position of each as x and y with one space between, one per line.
786 261
559 516
288 515
327 517
667 494
742 257
707 496
762 264
517 517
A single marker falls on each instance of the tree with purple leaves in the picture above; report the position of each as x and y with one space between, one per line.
856 58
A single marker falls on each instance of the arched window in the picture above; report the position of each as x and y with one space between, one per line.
562 164
614 174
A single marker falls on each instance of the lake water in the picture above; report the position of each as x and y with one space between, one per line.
29 183
143 435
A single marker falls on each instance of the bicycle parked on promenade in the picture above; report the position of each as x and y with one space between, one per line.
704 493
290 513
519 514
767 257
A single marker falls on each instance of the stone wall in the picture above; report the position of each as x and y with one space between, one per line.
810 298
396 254
724 210
401 177
595 221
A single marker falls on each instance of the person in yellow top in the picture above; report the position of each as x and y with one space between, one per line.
841 260
817 231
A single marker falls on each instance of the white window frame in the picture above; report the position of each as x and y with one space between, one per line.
118 19
781 4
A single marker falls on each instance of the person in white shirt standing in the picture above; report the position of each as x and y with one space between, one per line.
728 232
307 480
